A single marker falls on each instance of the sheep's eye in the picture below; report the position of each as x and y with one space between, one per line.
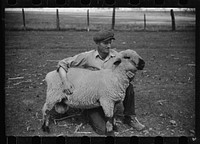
126 57
133 63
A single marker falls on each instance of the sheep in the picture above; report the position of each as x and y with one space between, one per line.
92 89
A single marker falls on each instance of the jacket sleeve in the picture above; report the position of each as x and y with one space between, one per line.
75 61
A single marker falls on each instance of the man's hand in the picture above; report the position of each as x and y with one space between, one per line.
68 88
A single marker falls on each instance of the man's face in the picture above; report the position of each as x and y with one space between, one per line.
104 46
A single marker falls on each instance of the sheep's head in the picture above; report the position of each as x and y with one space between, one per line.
123 64
134 58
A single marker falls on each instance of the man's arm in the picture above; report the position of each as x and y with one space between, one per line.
68 87
63 65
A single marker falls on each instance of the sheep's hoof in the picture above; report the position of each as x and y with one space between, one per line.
111 133
109 126
45 128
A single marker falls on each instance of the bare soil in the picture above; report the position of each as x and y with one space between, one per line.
165 89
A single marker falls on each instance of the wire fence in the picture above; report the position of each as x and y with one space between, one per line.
95 20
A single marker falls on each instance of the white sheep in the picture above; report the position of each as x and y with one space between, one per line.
92 88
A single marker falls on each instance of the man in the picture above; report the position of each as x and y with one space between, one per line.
100 58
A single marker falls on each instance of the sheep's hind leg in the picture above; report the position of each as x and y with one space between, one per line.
45 126
108 107
46 119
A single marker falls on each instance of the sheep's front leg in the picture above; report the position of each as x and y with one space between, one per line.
108 107
115 128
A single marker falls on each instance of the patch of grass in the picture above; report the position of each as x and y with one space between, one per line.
129 21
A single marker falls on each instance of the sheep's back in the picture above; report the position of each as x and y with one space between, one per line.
79 76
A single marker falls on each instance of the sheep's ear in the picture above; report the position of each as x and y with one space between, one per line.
117 61
141 64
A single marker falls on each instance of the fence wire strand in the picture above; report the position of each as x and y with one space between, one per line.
124 20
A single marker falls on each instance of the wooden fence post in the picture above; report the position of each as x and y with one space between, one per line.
88 21
144 22
173 20
113 19
23 15
57 20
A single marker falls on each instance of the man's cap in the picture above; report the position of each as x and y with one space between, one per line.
103 35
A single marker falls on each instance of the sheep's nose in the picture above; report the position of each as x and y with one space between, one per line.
141 64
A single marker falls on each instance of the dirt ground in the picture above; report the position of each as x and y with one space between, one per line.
165 89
